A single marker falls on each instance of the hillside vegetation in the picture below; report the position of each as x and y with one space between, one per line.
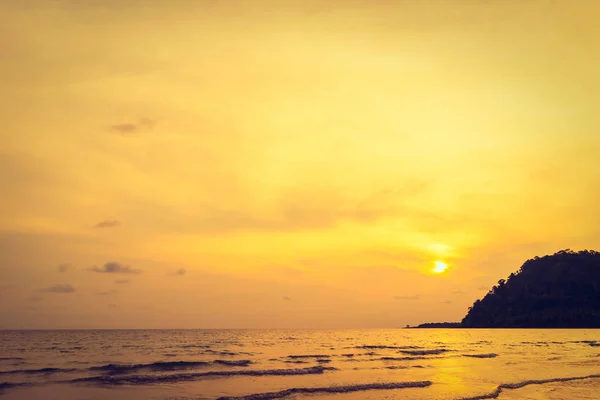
557 291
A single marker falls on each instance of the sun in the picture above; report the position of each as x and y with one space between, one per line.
439 267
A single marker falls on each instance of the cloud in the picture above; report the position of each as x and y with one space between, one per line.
112 306
483 288
180 271
107 293
388 201
35 298
302 209
109 223
122 281
59 288
415 297
65 267
446 302
286 298
115 268
132 128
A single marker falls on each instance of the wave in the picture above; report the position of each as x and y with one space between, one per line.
37 371
309 356
156 366
234 363
367 354
486 355
330 390
387 347
424 352
403 358
518 385
10 385
150 379
11 359
164 366
225 353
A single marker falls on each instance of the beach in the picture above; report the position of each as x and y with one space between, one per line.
267 364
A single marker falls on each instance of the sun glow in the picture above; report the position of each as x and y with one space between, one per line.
439 267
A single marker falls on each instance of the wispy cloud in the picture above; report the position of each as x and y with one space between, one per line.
115 268
35 298
132 128
180 271
286 298
122 281
59 288
447 302
483 288
65 267
109 223
107 293
296 210
415 297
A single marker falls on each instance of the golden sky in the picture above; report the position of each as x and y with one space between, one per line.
261 164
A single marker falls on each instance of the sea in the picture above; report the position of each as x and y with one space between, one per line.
300 364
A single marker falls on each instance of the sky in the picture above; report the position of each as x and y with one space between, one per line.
288 164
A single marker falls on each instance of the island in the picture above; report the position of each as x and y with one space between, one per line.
437 325
555 291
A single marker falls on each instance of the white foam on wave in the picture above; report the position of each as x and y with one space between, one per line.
424 352
486 355
518 385
330 390
152 379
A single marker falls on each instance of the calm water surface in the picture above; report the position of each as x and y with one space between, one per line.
300 364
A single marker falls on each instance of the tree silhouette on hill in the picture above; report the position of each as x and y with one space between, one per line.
557 291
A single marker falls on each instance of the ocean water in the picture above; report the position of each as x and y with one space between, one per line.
300 364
